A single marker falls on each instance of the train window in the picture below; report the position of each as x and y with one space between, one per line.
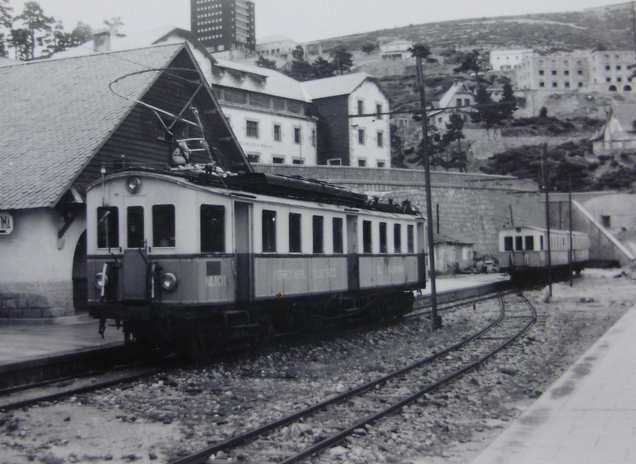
529 242
269 231
366 237
107 227
410 238
212 228
338 246
507 243
519 243
294 233
397 238
163 226
541 242
318 227
135 224
383 247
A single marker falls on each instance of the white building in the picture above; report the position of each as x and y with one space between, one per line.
398 50
269 112
354 130
457 100
276 46
506 60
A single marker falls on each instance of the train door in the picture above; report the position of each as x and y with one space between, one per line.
243 250
135 283
421 254
353 260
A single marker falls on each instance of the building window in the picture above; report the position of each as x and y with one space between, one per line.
163 226
360 107
334 162
566 73
338 246
252 129
541 73
361 136
383 247
366 237
135 225
362 163
381 164
298 161
296 134
318 234
607 67
608 79
380 139
107 227
555 84
313 137
253 158
580 84
458 102
397 238
269 231
554 73
466 101
618 68
566 84
277 133
278 159
541 84
378 111
606 221
212 229
579 72
294 233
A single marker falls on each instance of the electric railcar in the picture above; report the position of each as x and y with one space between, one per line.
190 256
523 251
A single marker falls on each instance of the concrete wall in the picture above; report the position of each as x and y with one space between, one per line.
37 268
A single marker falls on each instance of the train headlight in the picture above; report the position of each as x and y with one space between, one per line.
169 282
101 280
133 184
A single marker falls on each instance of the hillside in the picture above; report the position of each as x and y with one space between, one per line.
610 27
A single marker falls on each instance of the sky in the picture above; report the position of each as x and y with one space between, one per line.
301 20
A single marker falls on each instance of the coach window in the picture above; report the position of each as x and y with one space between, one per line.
163 226
507 243
410 238
212 228
107 227
397 238
318 228
135 224
519 243
337 235
295 244
529 242
269 231
367 246
541 242
383 247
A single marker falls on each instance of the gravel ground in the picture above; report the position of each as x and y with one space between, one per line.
163 417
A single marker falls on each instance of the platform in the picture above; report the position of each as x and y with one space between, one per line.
587 417
31 339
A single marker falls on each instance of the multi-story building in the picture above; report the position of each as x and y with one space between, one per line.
269 112
506 60
556 72
354 129
276 47
611 71
223 25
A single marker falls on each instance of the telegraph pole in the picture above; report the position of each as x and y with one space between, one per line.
547 211
437 320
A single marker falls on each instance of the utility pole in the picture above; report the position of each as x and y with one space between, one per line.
544 163
571 253
437 320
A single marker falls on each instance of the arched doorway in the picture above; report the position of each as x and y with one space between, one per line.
612 88
627 88
80 277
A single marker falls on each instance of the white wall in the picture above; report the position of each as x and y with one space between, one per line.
369 152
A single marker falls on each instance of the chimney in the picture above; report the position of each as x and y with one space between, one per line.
101 41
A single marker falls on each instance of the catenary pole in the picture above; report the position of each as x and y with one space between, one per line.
437 321
547 212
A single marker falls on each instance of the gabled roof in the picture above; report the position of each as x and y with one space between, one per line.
458 88
56 114
257 79
338 85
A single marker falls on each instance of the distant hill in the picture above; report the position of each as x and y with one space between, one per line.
608 27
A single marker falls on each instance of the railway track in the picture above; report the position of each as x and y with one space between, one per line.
321 426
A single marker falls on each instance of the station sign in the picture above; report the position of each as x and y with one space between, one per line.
6 223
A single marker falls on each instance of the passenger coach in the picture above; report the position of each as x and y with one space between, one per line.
524 251
183 255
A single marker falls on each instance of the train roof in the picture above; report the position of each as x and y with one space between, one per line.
276 185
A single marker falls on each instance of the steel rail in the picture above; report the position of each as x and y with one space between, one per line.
202 455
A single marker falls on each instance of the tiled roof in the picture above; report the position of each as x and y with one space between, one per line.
55 115
335 86
274 82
